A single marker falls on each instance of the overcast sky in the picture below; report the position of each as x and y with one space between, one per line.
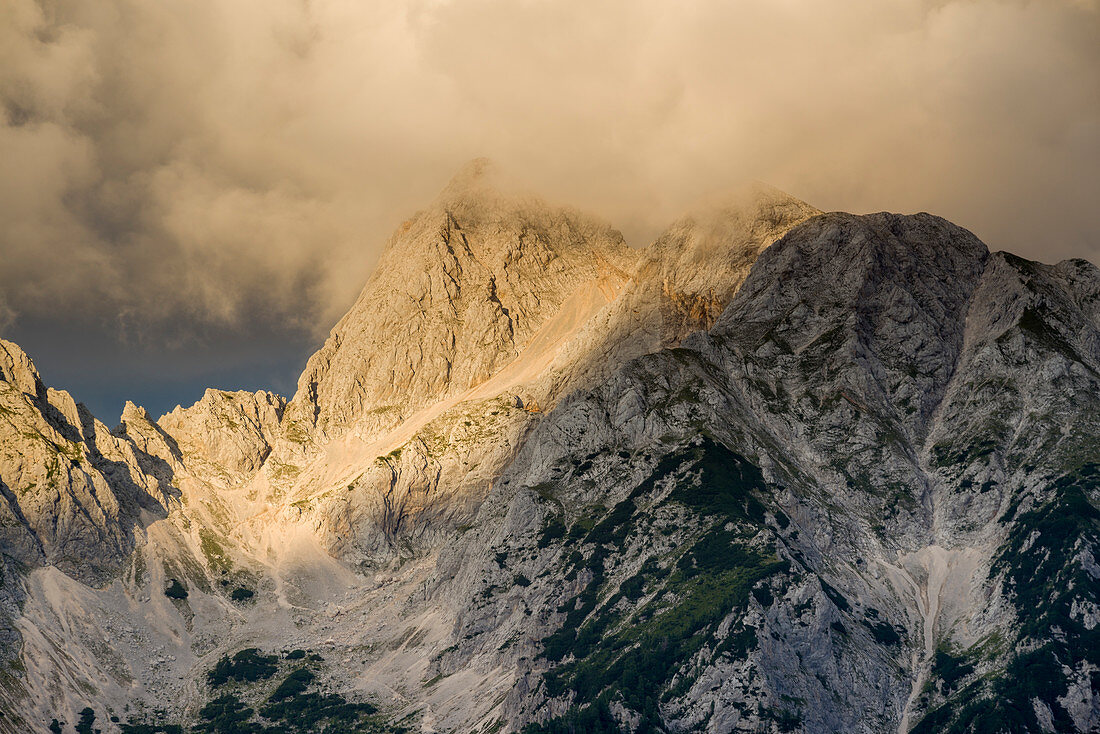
192 192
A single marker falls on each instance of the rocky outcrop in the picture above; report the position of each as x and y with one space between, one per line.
231 431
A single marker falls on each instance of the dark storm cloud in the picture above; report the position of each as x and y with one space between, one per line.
172 170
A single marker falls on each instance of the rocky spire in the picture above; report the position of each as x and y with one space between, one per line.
18 369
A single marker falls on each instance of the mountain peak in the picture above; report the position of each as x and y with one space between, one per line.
751 195
475 175
483 190
132 412
700 261
460 290
18 369
482 187
733 225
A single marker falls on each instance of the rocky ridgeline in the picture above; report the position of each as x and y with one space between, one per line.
73 491
781 471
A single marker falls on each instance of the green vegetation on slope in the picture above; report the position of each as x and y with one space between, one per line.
640 653
1043 572
293 706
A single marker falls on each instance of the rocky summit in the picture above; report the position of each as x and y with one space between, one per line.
780 471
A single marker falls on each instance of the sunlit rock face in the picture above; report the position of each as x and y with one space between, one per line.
779 471
234 431
73 492
459 292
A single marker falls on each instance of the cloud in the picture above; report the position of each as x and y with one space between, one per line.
174 167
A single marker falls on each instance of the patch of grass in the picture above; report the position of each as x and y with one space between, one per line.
316 712
884 633
144 728
175 590
226 714
835 597
86 723
553 529
596 719
241 594
294 706
950 669
214 552
293 685
282 472
295 432
248 665
728 485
